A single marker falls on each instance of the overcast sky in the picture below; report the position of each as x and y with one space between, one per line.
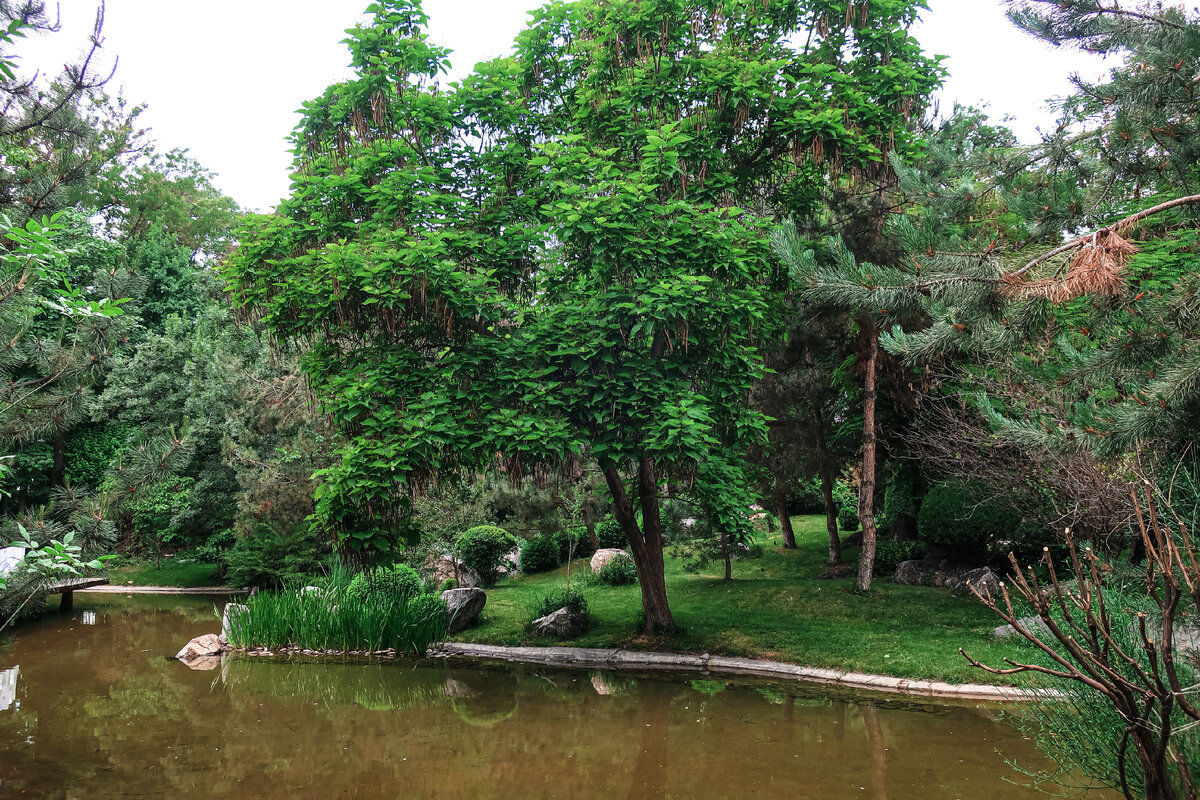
224 79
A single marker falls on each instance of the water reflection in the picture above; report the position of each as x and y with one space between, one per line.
99 711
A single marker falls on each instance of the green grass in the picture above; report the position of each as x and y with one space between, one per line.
170 573
777 608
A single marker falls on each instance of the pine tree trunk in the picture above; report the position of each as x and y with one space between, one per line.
58 470
831 515
866 490
785 525
646 543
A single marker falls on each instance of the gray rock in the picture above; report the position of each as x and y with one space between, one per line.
207 645
463 607
981 580
1032 624
605 555
508 565
928 572
853 540
233 611
562 624
442 568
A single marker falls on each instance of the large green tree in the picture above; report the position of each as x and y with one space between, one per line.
565 256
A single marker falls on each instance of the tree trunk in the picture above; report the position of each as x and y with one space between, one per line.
646 543
591 527
785 525
831 515
58 470
866 489
728 560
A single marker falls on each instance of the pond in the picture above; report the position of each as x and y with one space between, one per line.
90 707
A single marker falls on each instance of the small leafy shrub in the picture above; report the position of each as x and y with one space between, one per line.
806 498
754 549
573 542
540 555
610 535
618 572
889 553
561 598
847 519
956 518
483 549
374 586
269 559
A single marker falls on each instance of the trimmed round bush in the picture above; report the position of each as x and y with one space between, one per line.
397 582
483 549
618 572
847 519
540 555
610 535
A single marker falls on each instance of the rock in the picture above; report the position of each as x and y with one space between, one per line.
232 611
443 568
562 624
981 580
204 663
929 572
463 607
508 564
601 686
456 688
853 540
1032 624
606 555
312 590
207 645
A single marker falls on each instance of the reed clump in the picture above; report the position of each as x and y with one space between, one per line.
330 618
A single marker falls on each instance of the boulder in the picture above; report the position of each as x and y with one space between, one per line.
442 568
204 663
207 645
232 611
508 564
1032 624
981 580
463 607
604 556
929 572
562 624
853 540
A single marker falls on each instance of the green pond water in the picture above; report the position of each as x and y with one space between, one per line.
91 707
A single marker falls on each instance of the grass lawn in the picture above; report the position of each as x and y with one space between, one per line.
170 573
777 608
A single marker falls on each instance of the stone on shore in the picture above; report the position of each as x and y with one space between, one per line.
443 568
562 624
207 645
463 607
232 611
604 556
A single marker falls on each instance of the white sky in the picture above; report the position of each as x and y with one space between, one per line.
224 79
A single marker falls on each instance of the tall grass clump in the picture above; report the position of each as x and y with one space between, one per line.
336 619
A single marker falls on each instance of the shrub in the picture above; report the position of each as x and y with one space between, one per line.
269 559
847 519
610 535
889 553
573 542
806 498
378 585
483 549
561 598
958 519
618 572
540 555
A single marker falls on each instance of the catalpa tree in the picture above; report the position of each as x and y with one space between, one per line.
565 256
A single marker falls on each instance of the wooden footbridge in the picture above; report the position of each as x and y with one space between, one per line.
69 586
